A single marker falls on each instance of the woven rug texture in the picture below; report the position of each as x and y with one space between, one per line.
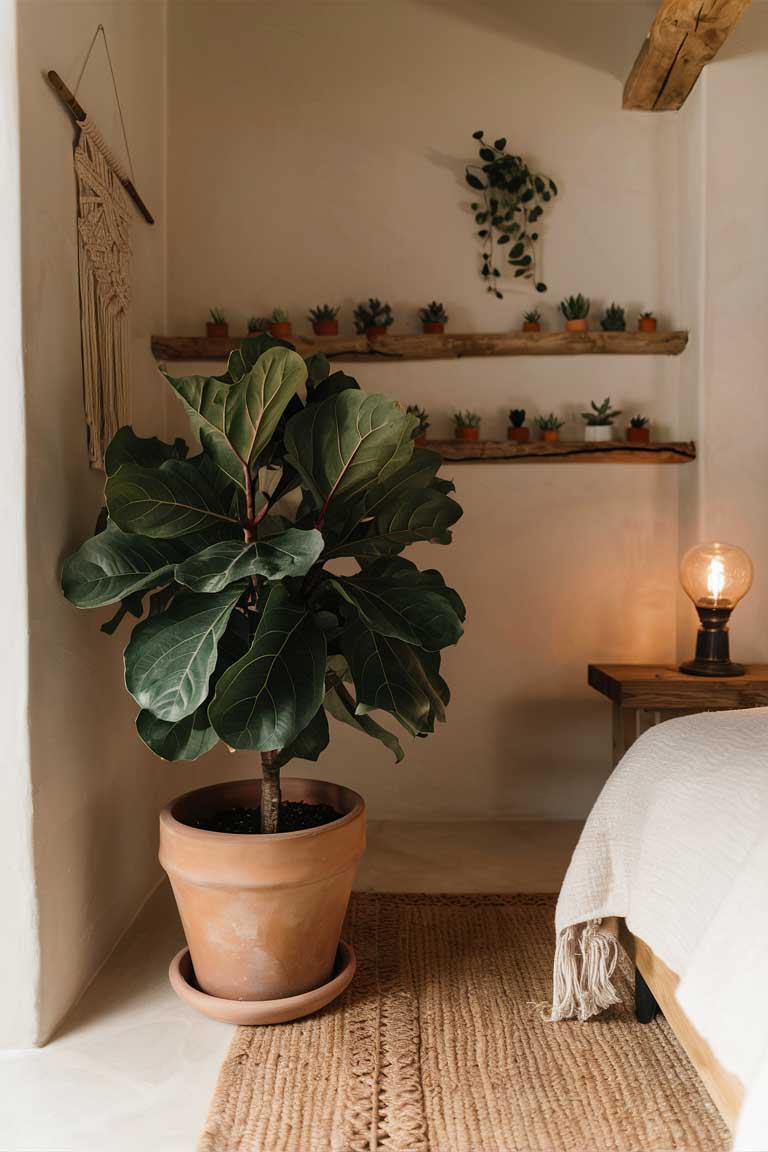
440 1045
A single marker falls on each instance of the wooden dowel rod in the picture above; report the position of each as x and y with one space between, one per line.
78 112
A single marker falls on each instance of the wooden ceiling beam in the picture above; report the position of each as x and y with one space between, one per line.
685 35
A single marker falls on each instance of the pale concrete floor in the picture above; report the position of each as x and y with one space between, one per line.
132 1069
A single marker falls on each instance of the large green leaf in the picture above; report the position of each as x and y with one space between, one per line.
419 472
410 609
404 572
291 553
407 518
310 742
170 658
395 677
164 502
126 447
348 443
269 696
235 422
184 739
342 706
114 564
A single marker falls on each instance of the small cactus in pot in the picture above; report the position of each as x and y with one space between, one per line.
280 324
517 430
258 325
549 426
599 421
217 325
614 319
575 309
420 432
433 319
466 426
373 318
646 322
638 431
532 321
324 320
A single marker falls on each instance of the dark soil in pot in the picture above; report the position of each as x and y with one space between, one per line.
295 816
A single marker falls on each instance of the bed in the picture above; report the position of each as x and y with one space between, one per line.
672 865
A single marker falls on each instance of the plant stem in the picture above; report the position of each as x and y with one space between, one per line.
270 793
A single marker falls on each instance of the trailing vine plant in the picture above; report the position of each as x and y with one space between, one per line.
513 201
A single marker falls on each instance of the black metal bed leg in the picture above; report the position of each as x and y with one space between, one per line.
646 1005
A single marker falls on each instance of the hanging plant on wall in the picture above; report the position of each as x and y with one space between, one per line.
513 202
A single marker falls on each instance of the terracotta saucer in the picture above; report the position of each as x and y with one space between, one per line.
182 977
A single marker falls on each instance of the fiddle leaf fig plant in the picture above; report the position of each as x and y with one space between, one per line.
246 635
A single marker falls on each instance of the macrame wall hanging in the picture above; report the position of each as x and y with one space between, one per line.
104 194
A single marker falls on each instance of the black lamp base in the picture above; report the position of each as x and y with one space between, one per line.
713 656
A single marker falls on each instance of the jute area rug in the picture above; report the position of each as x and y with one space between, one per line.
440 1045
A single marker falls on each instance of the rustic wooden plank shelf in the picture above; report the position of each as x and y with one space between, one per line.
448 346
564 452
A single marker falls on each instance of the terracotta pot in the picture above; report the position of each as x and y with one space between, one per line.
420 441
467 435
521 435
213 330
262 914
638 435
550 435
433 327
576 325
325 327
647 324
376 330
531 326
280 329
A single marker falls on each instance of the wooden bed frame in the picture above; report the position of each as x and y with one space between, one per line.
655 985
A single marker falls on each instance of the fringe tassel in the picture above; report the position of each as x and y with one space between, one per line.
585 960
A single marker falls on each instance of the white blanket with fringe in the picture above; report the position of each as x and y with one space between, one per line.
677 845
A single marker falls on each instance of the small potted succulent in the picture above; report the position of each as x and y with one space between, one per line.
324 322
420 432
257 325
575 309
599 420
614 319
280 324
433 319
517 429
467 426
217 325
639 431
532 321
646 322
549 426
373 318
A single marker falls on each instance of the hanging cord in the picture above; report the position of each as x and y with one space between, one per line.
100 28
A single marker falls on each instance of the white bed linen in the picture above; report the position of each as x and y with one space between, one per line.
677 844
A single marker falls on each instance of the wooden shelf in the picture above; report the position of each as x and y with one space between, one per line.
564 452
445 347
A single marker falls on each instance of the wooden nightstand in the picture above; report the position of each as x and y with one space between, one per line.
645 694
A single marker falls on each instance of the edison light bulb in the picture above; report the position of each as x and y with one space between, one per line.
715 576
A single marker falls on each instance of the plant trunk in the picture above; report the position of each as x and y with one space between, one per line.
270 793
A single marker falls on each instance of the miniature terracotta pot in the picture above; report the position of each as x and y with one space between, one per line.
376 330
213 330
638 435
262 914
280 329
522 435
433 328
550 435
576 325
646 324
531 326
467 435
325 327
420 441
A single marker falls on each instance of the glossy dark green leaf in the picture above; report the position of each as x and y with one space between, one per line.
310 743
474 181
348 443
171 656
341 706
126 447
331 386
410 517
242 359
410 609
113 564
184 739
265 699
395 677
291 553
235 422
163 503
